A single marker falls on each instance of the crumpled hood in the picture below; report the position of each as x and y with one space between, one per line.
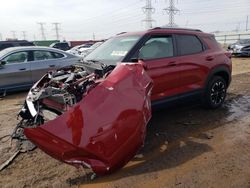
106 128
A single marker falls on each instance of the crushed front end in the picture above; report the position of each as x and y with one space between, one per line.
88 116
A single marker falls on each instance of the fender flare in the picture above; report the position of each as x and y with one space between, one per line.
216 70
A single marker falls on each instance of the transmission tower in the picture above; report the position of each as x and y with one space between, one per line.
171 11
24 34
148 10
13 34
56 24
42 30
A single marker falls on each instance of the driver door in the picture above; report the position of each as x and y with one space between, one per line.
16 71
158 54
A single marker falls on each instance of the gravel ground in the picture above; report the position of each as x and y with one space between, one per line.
186 146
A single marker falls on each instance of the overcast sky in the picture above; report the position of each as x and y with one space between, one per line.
81 18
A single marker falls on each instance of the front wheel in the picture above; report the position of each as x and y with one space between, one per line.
215 93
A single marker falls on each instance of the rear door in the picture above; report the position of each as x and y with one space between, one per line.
193 62
16 72
43 61
158 54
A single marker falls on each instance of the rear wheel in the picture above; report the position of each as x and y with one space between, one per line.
215 93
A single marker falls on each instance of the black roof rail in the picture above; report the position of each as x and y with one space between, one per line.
176 28
121 33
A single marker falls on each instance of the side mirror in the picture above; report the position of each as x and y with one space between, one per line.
143 64
2 63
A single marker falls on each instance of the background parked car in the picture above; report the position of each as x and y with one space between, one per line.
240 48
79 48
61 45
87 51
8 44
20 67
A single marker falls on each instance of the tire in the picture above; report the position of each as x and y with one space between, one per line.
215 93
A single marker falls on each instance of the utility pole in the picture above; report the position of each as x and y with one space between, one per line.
93 36
171 11
247 24
148 10
42 30
24 34
1 36
56 24
13 34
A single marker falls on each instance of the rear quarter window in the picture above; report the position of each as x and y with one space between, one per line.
57 55
188 44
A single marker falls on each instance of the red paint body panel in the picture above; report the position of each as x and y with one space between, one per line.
106 128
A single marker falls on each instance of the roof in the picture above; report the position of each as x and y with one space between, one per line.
20 48
165 30
17 48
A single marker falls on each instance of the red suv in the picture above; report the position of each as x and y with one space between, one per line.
95 114
181 62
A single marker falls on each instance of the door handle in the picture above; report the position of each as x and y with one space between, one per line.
171 64
209 58
51 65
22 69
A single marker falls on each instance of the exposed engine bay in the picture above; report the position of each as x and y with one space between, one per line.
54 94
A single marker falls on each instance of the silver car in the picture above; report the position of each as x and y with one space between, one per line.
21 67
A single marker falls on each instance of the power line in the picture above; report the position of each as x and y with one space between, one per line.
148 10
42 30
171 11
56 24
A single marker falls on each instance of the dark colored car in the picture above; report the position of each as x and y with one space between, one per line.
240 48
95 114
14 43
61 45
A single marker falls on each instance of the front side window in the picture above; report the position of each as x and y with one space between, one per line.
42 55
18 57
157 47
189 44
113 50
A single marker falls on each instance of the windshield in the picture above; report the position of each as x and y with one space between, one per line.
5 51
113 50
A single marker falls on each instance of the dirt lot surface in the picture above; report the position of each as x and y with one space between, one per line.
185 147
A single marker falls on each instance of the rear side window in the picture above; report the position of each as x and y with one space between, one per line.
189 44
43 55
57 55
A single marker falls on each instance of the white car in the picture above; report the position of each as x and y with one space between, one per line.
78 49
87 51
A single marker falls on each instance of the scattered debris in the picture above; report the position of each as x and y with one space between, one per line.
161 133
209 135
188 123
139 156
6 163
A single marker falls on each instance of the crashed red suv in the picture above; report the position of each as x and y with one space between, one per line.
94 114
